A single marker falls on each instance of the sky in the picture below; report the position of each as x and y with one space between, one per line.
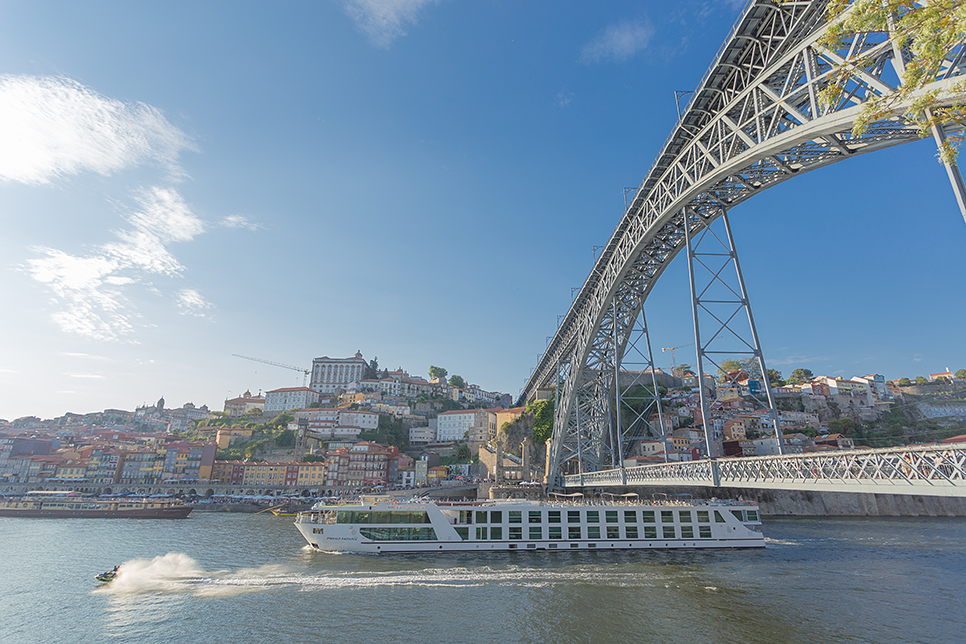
422 181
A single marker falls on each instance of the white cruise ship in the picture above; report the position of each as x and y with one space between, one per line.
381 524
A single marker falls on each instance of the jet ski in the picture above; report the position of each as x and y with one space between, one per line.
108 576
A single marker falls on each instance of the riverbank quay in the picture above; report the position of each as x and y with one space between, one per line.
809 503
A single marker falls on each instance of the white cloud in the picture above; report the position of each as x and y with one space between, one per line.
51 127
191 302
85 375
239 221
384 20
618 43
90 289
563 99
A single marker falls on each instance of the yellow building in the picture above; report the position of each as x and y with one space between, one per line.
311 474
228 435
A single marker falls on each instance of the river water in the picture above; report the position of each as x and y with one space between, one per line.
238 578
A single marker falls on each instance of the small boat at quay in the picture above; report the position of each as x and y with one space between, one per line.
64 505
384 525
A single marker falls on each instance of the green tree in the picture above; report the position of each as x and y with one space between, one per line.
463 453
904 382
542 412
775 378
930 31
372 369
285 439
961 374
845 426
920 380
457 381
437 372
800 376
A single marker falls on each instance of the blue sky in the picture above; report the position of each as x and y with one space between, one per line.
422 181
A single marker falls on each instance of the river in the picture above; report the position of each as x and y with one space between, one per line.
238 578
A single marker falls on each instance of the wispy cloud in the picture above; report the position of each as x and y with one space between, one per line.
383 21
563 99
90 289
618 43
53 127
191 302
239 221
86 375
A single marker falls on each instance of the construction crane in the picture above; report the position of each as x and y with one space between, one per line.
674 364
305 372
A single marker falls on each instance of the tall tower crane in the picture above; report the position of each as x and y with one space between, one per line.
305 372
674 365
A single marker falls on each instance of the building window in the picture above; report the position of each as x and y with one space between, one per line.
703 516
687 532
536 532
669 532
667 516
610 516
516 516
516 533
573 516
553 516
573 532
648 516
593 516
631 531
535 516
593 532
684 516
613 532
704 531
554 532
630 516
650 532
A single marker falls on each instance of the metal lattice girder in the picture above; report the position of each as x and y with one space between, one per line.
934 470
754 122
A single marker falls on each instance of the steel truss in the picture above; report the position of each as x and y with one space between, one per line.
720 298
934 470
754 122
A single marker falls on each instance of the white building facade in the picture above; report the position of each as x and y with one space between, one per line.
334 375
280 400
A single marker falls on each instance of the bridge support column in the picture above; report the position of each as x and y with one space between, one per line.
720 302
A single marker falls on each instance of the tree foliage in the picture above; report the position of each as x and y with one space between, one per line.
800 376
437 372
931 32
457 381
961 374
542 412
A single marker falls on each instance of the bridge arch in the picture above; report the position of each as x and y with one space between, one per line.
742 133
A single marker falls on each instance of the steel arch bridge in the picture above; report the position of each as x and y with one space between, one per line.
754 121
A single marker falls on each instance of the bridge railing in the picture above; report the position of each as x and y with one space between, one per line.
934 470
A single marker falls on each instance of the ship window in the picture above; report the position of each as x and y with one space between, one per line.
610 516
496 533
466 516
613 532
516 516
535 516
573 532
667 516
650 532
752 515
593 516
591 545
684 516
552 546
536 532
669 532
496 516
516 533
704 531
687 532
553 516
481 517
481 534
630 516
532 545
380 517
738 514
718 518
398 534
593 532
648 516
631 531
464 533
573 516
575 545
703 516
554 532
